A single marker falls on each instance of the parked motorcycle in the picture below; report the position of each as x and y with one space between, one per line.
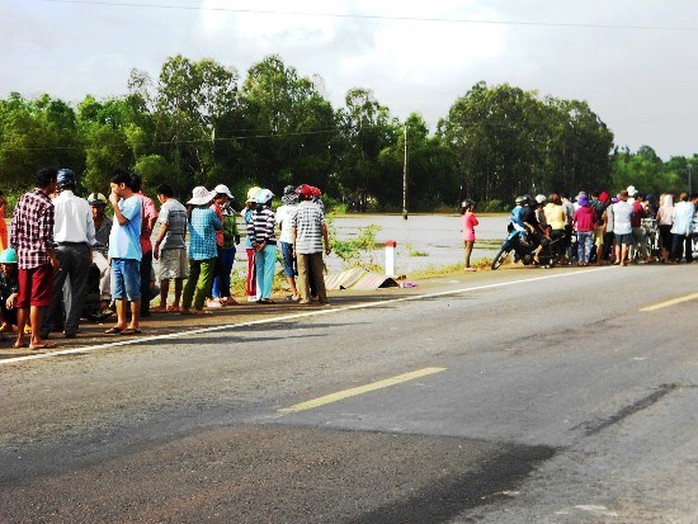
523 249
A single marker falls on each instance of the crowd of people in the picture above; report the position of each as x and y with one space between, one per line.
630 227
58 239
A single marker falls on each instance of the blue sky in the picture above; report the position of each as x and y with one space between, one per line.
631 60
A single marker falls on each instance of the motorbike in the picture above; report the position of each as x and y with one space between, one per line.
523 249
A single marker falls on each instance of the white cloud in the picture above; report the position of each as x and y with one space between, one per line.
639 81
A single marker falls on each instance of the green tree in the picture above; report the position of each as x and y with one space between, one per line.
366 130
36 132
290 126
579 155
193 101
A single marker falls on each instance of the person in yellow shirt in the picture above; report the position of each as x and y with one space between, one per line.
555 216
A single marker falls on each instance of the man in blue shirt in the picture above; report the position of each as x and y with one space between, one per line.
125 253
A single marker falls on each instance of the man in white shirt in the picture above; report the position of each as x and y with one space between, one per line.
622 228
682 229
74 235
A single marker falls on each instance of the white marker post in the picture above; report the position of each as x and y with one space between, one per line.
390 246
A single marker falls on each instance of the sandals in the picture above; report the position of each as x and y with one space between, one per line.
45 345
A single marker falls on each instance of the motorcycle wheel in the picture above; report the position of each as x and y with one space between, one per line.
499 258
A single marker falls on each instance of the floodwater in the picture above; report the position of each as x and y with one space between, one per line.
423 241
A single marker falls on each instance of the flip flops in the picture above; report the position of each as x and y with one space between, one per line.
113 331
131 331
45 345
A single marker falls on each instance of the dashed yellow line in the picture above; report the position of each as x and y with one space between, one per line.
347 393
669 303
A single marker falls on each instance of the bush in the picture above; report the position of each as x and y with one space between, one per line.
350 251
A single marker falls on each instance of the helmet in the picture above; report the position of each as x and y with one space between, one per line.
252 194
97 199
467 203
289 190
520 200
304 190
66 177
526 200
315 191
9 256
264 196
541 199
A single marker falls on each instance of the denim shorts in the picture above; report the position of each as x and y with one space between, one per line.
125 279
287 255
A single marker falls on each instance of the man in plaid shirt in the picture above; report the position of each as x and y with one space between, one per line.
308 232
32 237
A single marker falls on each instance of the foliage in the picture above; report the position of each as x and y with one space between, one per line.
198 124
507 141
351 251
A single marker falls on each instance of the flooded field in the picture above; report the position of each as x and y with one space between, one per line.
422 240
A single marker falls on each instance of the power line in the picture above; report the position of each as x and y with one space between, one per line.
145 5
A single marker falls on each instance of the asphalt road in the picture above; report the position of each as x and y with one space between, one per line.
509 396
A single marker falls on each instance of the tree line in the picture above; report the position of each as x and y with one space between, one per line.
199 124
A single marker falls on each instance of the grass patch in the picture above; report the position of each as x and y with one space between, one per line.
443 271
414 252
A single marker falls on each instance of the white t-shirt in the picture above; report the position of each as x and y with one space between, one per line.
622 211
284 216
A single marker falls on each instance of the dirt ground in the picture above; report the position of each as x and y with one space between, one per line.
91 334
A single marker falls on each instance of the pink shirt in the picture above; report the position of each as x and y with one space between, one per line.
218 210
469 222
585 218
149 213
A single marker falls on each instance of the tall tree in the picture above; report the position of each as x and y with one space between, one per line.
290 124
367 129
37 132
193 101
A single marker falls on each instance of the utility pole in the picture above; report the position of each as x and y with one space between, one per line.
404 177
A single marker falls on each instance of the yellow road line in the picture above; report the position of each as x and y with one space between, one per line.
347 393
670 303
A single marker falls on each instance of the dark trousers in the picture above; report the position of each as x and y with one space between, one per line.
221 284
68 288
146 269
677 247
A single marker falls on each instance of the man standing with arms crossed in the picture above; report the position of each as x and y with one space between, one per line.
125 253
32 237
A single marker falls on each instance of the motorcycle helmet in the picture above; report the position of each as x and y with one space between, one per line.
66 177
519 201
527 200
264 196
252 194
8 256
541 199
304 191
97 199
